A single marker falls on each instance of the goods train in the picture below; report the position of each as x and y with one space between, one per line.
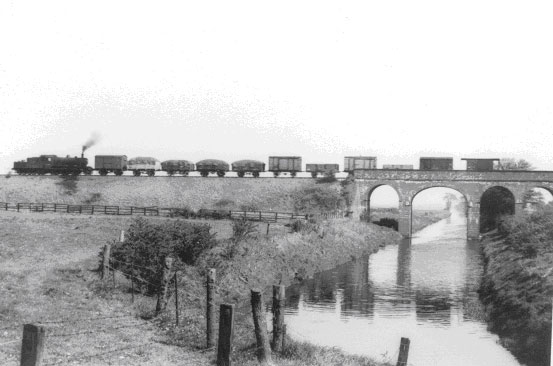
118 164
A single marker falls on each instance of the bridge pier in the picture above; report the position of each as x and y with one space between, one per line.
473 220
404 222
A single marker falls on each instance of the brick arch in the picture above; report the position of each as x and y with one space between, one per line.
371 190
516 194
450 186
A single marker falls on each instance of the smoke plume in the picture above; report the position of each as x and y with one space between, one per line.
93 140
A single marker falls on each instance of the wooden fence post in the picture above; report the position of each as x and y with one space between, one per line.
165 276
176 299
105 261
403 352
210 313
263 345
122 236
32 345
268 225
279 297
226 329
283 337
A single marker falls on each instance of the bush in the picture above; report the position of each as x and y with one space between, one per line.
224 202
328 177
317 199
243 230
185 212
149 242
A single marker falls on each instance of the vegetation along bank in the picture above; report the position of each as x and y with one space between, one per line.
517 285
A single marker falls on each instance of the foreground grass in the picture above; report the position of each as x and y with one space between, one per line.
48 274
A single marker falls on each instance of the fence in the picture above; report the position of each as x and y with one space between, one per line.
264 216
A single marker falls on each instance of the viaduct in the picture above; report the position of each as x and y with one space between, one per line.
471 184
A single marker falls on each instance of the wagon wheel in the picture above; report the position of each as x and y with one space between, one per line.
255 174
241 174
151 173
276 174
204 173
314 174
119 172
136 173
185 173
88 170
293 174
220 173
103 172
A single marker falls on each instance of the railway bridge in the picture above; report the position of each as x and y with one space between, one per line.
471 184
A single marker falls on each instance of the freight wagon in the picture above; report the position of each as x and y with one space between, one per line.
398 166
177 167
480 165
352 163
143 164
212 166
285 164
105 164
436 164
242 167
315 169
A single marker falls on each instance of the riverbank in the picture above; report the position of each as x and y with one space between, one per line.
54 279
517 285
259 262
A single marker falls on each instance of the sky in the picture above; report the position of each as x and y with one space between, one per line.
249 79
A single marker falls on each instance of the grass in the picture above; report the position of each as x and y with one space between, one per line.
48 273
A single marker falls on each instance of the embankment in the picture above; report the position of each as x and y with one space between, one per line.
193 192
517 285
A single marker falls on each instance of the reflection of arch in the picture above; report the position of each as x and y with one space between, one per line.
495 202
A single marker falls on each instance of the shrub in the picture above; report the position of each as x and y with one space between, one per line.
328 177
224 202
249 207
94 197
149 242
243 230
321 198
185 212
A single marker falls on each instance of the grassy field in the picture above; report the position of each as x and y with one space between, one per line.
194 192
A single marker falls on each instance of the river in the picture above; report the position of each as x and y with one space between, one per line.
423 289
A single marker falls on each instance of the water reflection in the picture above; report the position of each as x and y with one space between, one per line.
423 288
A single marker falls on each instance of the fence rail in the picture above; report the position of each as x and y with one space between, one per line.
264 216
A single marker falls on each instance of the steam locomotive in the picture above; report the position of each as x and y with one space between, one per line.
118 164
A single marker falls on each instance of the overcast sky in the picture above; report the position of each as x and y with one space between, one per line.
249 79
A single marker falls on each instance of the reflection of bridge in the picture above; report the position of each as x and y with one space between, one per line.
471 184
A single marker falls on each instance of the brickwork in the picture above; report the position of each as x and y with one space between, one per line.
471 185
